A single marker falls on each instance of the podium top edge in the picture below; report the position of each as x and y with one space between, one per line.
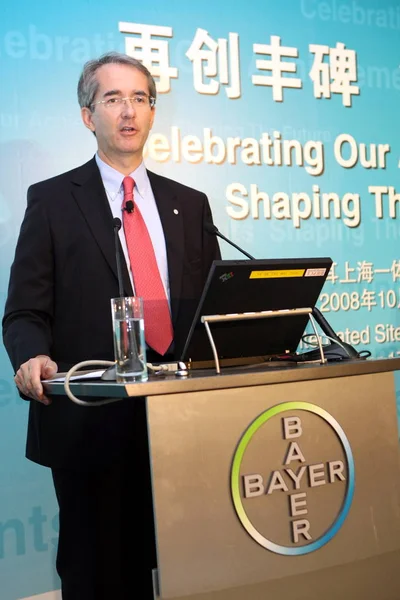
203 380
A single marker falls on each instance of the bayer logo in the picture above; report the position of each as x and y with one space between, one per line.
292 478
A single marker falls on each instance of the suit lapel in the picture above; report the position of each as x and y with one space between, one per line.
171 215
90 195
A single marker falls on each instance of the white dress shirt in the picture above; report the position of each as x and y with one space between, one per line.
144 198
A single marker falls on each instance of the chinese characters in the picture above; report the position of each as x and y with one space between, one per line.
216 64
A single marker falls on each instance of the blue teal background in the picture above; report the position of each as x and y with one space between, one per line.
43 46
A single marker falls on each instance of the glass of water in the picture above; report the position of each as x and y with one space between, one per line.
129 344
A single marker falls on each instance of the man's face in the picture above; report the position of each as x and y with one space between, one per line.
122 130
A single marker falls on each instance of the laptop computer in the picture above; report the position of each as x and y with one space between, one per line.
242 286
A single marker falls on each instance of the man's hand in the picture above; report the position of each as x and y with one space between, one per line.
29 375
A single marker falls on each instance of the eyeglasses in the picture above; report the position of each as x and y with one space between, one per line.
138 101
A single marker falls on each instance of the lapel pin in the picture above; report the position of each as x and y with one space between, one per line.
176 211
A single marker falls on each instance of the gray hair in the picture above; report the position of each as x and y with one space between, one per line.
88 84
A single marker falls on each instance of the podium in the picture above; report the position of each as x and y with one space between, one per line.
273 483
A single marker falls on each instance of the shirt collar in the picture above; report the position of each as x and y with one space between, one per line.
141 179
112 179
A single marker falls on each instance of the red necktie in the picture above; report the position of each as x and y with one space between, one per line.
146 276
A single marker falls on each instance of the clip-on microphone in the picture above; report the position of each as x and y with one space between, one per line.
129 206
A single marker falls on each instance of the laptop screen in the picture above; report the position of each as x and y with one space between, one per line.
242 286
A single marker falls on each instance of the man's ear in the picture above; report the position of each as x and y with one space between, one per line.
153 114
86 115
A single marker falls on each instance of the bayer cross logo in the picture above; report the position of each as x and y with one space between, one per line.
292 478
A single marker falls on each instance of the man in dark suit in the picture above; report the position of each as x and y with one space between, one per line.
58 314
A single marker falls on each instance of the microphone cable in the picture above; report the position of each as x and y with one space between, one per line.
81 365
178 368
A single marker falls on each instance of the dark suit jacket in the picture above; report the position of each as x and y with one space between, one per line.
61 282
